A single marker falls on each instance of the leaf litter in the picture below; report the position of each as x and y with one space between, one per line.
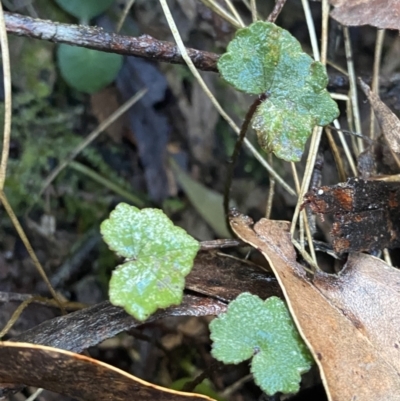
383 14
77 376
350 321
389 122
366 214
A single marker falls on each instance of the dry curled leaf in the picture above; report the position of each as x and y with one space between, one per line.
225 278
389 122
88 327
350 322
366 214
383 14
78 376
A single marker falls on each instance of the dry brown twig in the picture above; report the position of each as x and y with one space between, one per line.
96 38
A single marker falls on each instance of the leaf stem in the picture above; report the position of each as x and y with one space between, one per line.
253 10
276 11
5 54
221 111
271 191
125 12
380 35
353 88
190 386
221 244
135 199
311 29
235 13
236 151
214 6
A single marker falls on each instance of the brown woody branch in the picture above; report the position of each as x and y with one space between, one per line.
96 38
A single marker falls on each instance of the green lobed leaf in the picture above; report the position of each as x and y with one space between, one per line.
84 9
159 257
87 70
265 332
264 58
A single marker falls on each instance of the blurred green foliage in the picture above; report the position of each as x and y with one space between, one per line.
84 10
87 70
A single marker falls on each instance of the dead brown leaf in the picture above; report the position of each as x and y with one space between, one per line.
225 278
104 103
78 376
366 214
383 14
350 322
389 122
80 330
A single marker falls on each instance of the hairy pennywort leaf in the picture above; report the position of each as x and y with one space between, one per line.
158 258
264 58
264 331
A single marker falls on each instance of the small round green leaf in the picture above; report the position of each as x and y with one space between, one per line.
159 257
264 58
87 70
252 56
265 331
84 9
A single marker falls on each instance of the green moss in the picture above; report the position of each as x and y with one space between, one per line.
43 135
